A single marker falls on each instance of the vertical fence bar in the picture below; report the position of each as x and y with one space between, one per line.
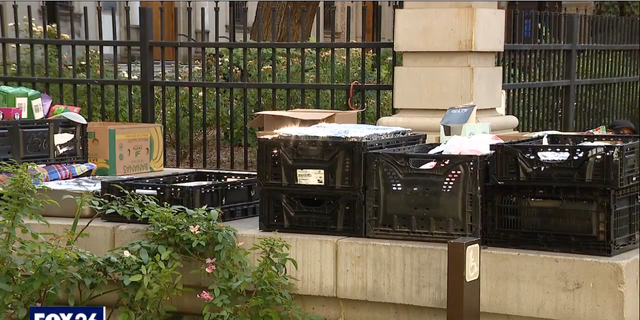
204 37
318 40
163 88
74 57
127 12
32 56
332 19
116 72
232 102
146 65
190 78
363 65
177 77
287 104
245 79
216 11
572 22
302 55
87 57
3 45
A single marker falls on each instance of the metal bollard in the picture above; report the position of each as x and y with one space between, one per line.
463 279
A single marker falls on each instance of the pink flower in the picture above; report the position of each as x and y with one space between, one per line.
205 295
210 268
38 304
209 260
195 229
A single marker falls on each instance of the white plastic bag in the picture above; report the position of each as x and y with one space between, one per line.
474 145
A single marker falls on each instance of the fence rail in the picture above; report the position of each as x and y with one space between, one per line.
570 71
206 89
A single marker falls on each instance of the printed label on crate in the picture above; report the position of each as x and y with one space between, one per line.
23 104
310 176
36 106
473 263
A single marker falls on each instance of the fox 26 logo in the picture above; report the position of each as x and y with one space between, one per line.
67 313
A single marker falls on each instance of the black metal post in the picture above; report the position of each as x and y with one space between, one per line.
572 26
463 279
146 66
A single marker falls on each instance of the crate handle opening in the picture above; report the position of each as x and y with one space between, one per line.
425 163
312 202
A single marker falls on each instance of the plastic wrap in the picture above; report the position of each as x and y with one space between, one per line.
352 132
80 184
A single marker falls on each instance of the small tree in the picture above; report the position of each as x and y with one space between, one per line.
618 8
299 28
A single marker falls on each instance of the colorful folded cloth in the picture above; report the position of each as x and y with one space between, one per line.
56 172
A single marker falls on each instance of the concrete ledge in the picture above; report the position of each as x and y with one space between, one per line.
350 278
101 237
521 283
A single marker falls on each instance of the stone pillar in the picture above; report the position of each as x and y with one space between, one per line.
449 51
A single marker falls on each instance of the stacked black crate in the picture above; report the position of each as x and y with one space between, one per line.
235 193
34 141
316 184
565 193
421 195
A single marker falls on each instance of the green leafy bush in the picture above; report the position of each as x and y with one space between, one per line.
145 275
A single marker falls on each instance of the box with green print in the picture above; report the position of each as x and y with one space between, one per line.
25 99
125 148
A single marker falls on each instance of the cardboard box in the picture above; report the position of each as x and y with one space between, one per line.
125 148
270 121
461 121
28 100
512 136
10 113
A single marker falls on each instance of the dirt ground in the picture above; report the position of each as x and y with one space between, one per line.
225 158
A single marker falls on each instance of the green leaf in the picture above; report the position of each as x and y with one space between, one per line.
165 255
144 255
139 295
135 278
5 287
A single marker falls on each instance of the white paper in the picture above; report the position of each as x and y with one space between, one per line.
23 104
36 106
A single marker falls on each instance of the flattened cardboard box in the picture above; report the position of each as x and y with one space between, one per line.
125 148
271 121
513 136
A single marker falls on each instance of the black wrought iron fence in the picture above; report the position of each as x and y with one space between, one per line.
570 71
179 65
192 77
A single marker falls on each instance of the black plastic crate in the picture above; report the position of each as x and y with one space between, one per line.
408 203
229 213
593 221
331 164
33 141
213 188
610 166
315 212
